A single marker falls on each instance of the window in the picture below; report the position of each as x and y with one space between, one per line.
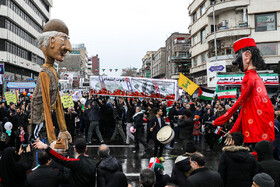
202 9
182 54
265 22
194 17
203 59
268 48
203 35
194 61
195 39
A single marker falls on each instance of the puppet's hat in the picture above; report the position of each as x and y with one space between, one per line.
242 43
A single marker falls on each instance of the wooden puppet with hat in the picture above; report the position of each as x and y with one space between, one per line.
256 118
54 43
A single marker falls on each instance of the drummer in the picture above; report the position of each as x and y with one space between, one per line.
156 123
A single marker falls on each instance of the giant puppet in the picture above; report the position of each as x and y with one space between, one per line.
256 117
54 43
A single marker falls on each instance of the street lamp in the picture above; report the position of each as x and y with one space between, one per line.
212 2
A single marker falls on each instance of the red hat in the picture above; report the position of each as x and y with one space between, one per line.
243 42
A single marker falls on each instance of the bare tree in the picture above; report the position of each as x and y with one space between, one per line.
129 72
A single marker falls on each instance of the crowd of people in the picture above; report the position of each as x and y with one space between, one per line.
104 119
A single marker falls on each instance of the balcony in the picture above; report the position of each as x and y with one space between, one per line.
226 5
241 30
198 68
180 59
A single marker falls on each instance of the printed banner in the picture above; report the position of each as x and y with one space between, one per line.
21 85
134 87
10 97
236 79
67 101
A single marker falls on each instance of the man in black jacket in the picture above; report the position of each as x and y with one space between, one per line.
156 123
237 166
138 125
107 166
94 117
44 175
83 169
186 128
266 163
202 176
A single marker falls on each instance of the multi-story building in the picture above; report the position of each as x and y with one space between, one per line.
95 65
158 66
146 64
234 19
20 24
71 69
82 51
177 55
89 67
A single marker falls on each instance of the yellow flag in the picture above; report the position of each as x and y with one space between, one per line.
188 85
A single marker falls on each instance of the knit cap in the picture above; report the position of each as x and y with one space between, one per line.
263 180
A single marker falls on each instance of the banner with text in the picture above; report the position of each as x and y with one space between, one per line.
236 79
10 97
67 101
134 87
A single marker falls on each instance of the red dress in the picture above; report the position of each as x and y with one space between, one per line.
256 118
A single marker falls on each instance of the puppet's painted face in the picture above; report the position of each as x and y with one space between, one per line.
60 45
239 60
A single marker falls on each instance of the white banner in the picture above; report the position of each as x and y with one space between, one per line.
134 87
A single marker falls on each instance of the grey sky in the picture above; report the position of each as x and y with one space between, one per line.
121 31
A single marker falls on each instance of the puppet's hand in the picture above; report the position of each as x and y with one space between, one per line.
228 140
66 136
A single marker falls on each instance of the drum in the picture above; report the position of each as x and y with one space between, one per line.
165 135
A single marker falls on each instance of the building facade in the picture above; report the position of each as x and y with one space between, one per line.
177 55
234 19
146 64
158 66
95 65
20 24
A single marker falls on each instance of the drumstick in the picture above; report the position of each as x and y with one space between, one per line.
154 126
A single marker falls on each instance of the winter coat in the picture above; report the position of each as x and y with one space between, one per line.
94 113
138 119
237 166
203 177
266 163
130 111
178 175
44 176
82 169
12 169
105 170
196 129
186 128
155 125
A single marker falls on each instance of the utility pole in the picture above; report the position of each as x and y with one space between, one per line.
215 41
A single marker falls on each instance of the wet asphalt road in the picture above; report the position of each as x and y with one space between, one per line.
133 163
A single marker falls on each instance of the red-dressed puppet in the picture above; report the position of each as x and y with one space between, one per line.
256 118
